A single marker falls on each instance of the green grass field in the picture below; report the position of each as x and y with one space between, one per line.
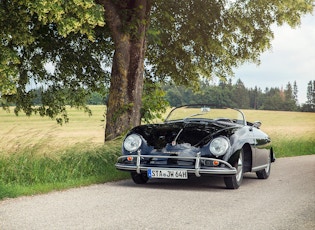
38 155
292 133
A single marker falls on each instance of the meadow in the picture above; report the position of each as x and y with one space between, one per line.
38 155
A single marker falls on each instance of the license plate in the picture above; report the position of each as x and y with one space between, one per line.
167 173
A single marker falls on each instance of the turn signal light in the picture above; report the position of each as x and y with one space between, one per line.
216 163
129 158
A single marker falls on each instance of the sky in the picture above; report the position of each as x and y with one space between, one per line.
291 58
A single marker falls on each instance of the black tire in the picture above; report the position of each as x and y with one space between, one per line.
264 174
139 178
234 182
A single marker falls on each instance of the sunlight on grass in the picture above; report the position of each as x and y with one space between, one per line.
44 136
292 133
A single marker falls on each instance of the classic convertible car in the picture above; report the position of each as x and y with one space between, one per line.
198 140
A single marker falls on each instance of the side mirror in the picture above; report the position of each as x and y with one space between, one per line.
257 124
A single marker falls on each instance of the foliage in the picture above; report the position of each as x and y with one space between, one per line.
33 35
237 95
309 106
154 103
186 40
194 39
96 99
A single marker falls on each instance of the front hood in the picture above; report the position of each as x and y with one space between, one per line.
195 133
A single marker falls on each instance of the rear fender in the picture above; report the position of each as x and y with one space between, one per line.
272 155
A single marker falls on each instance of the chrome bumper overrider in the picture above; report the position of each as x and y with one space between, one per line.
227 169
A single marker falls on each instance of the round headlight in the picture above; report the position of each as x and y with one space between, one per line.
132 142
219 146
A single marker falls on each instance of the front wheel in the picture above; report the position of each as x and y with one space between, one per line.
264 174
139 178
234 182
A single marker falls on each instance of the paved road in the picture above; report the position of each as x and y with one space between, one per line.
285 201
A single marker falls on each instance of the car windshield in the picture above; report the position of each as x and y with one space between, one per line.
190 112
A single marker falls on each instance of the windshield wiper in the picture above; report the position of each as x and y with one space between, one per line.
194 115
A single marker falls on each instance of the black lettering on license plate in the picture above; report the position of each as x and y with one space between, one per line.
165 173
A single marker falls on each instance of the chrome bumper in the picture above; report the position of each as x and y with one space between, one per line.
227 169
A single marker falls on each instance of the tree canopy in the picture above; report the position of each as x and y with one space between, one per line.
309 106
113 45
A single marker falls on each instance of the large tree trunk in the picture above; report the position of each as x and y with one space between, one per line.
124 103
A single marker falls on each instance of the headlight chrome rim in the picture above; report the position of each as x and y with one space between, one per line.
132 142
219 146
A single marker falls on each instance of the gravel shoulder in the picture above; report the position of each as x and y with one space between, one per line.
284 201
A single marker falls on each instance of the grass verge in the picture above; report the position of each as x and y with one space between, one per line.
28 174
293 147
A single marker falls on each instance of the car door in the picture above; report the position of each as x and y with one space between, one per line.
262 149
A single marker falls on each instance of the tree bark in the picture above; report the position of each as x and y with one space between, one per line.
124 102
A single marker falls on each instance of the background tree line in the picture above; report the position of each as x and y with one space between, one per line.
224 94
237 95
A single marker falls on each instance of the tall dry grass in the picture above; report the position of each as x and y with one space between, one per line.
293 133
41 135
38 155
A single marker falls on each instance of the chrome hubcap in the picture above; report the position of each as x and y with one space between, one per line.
239 168
268 166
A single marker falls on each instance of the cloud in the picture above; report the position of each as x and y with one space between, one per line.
292 58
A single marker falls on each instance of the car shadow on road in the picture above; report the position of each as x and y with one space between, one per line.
192 183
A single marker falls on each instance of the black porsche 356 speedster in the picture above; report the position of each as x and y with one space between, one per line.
199 140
